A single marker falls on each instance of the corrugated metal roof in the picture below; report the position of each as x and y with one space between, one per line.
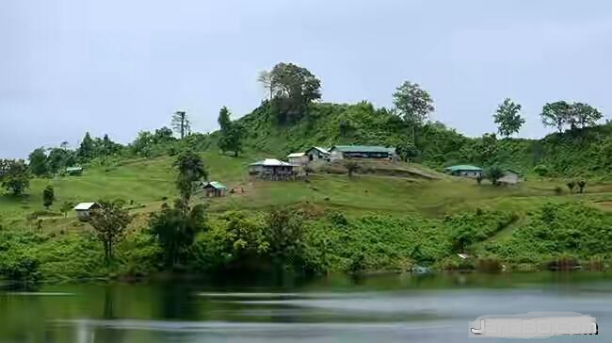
216 185
320 149
362 148
463 167
74 168
271 162
295 154
84 206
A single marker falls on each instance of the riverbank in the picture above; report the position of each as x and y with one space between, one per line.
565 236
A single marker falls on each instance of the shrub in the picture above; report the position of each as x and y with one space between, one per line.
541 170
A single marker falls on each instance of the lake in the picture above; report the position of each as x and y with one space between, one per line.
386 308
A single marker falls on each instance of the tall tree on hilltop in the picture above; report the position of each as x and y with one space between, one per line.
181 123
414 105
190 169
38 162
293 88
556 114
508 118
584 115
265 78
87 149
14 176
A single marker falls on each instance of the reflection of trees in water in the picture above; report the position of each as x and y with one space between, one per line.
107 334
176 301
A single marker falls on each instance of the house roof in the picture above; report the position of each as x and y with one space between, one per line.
295 154
322 150
362 148
69 169
216 185
271 162
84 206
464 167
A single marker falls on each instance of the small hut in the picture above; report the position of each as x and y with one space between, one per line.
83 209
273 169
298 158
214 189
510 177
316 153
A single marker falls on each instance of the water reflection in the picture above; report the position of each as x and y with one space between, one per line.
393 308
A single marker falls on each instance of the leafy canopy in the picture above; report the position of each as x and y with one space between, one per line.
508 118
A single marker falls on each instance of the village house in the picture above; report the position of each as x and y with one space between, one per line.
339 152
298 158
214 189
83 209
74 171
273 169
510 177
316 153
465 171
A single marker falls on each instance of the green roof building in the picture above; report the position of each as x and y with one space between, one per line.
74 170
339 152
215 189
465 170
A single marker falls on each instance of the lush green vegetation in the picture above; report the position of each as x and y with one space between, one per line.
352 217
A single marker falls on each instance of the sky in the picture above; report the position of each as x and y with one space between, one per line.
119 67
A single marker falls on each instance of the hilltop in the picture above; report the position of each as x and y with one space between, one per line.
574 153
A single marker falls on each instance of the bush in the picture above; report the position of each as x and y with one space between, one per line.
541 170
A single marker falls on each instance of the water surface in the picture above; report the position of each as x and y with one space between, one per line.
392 308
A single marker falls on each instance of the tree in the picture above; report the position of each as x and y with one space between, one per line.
485 148
180 123
584 115
86 150
109 221
508 118
175 229
293 88
581 184
479 179
190 168
14 176
493 174
38 162
48 196
351 166
571 185
231 133
413 103
556 114
406 151
284 235
66 207
265 78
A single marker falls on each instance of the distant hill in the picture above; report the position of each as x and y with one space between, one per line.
577 153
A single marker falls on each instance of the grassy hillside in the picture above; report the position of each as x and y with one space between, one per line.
580 153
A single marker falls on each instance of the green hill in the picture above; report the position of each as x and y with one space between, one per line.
575 153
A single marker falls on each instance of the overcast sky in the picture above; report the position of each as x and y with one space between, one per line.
119 67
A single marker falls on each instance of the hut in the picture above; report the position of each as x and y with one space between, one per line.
510 177
298 158
273 169
214 189
339 152
465 171
316 153
83 209
74 171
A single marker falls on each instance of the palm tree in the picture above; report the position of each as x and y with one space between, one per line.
581 184
493 174
351 167
571 186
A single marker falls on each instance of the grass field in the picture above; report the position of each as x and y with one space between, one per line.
146 183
